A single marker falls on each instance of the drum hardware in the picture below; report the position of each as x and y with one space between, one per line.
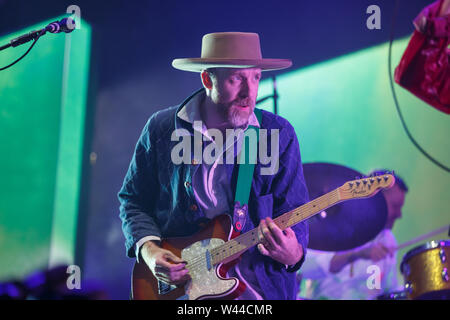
445 275
393 295
408 287
442 255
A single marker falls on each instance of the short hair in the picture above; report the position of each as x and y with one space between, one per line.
212 72
398 180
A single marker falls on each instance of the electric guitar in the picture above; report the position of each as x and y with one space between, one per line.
214 249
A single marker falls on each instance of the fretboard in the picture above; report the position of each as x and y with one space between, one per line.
249 239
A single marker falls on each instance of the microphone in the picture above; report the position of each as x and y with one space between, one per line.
65 25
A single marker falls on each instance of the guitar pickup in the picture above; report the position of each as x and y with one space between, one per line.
208 260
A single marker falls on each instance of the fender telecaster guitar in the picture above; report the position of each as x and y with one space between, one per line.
211 252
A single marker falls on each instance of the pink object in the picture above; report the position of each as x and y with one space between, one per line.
424 69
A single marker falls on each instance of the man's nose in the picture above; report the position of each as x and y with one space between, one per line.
247 89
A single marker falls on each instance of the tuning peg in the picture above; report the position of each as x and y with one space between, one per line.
372 180
350 184
365 181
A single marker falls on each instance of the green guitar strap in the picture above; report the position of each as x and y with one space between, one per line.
246 169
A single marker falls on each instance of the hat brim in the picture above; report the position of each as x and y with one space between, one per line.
199 64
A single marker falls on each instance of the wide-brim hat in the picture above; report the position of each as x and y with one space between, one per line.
230 50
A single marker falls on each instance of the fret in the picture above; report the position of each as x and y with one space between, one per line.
306 211
250 238
234 246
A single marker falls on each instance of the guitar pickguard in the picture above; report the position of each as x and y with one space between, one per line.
205 282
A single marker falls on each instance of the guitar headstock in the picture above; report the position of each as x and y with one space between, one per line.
366 187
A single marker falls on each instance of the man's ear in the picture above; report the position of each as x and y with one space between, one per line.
206 80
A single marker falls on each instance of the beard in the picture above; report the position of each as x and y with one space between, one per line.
231 113
238 117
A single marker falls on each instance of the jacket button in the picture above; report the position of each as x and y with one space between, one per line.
193 207
187 184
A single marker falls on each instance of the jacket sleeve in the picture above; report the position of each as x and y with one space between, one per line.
138 193
289 187
424 69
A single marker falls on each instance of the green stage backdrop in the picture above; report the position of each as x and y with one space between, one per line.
42 114
344 113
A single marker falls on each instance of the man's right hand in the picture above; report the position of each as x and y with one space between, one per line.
375 252
165 265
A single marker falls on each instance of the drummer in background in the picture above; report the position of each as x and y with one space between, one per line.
362 273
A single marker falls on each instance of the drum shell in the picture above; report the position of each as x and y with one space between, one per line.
425 268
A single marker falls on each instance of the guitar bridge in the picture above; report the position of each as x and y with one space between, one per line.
164 288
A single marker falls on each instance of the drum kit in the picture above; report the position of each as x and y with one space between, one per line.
425 268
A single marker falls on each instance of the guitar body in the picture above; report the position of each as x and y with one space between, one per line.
207 281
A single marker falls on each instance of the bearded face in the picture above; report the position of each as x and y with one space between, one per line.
234 92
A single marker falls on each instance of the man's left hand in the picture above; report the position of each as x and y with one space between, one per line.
280 245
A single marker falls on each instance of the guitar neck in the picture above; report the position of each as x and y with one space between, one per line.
249 239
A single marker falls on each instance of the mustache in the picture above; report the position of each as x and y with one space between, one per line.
245 102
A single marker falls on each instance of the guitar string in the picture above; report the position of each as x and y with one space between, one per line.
303 212
307 212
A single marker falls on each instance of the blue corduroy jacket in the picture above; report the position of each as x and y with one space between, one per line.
157 197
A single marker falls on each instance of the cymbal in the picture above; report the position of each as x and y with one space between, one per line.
346 225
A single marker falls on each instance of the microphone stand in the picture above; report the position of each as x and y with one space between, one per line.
24 39
274 96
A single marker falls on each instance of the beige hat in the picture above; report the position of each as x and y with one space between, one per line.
230 50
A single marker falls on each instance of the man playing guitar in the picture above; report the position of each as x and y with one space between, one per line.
161 199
